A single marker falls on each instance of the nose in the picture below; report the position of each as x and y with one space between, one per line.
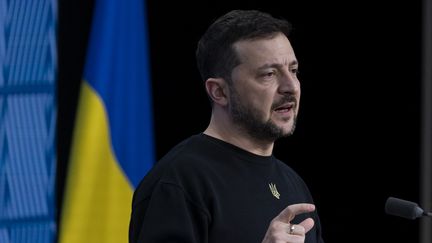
289 83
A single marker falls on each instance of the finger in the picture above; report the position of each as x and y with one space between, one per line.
307 224
295 209
296 229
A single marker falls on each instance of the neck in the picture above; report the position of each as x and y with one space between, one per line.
221 127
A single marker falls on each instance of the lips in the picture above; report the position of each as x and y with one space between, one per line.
285 107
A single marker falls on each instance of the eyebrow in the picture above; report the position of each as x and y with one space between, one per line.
277 65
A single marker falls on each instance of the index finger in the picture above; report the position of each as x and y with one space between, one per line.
295 209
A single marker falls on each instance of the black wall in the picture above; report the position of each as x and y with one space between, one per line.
357 140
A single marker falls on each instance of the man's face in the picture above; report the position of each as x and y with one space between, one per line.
265 92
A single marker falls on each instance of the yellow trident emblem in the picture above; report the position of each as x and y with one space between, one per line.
274 190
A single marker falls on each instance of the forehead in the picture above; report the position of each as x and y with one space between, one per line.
257 52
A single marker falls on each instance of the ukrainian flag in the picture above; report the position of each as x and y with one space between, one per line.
112 147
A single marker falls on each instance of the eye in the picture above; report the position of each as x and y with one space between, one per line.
268 74
295 71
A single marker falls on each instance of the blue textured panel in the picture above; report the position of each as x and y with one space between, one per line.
27 120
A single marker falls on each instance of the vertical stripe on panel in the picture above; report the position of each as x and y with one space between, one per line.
29 164
51 165
36 132
10 52
37 67
21 169
27 41
53 57
40 154
3 34
39 148
11 208
3 154
39 40
14 190
20 30
14 43
37 30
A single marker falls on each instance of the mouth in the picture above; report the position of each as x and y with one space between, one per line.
284 108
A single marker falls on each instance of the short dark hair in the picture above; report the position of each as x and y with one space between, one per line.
215 54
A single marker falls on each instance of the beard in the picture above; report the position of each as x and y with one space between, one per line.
250 119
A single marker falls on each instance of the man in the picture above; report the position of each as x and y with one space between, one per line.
224 185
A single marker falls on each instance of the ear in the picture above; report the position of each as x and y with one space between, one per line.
216 90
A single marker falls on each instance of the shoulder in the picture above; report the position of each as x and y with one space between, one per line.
188 156
184 166
286 169
292 176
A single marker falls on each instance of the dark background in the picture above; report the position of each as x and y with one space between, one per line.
358 137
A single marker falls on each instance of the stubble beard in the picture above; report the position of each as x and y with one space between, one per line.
249 119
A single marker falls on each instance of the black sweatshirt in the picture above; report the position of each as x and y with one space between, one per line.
207 190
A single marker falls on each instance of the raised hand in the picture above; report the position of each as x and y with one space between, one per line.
282 231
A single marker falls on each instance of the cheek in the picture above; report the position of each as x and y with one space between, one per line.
264 102
258 99
257 104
